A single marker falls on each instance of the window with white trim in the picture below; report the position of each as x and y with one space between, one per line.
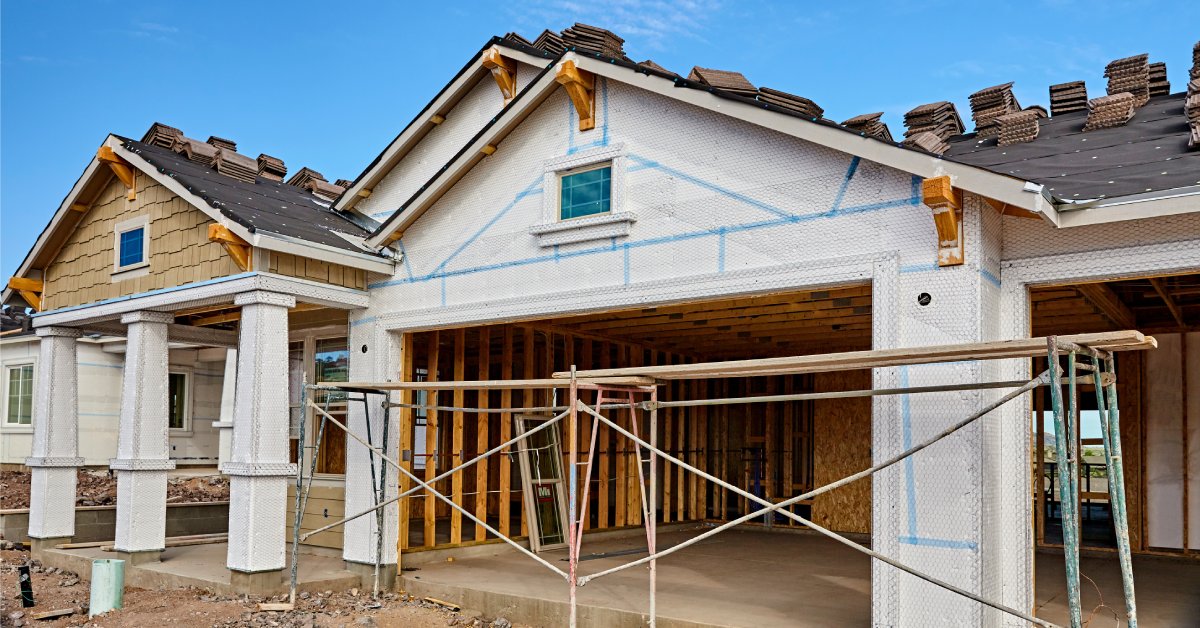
131 246
18 408
585 192
179 397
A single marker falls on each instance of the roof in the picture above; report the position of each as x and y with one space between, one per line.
1147 154
265 205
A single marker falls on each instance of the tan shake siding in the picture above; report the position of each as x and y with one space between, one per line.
180 252
316 270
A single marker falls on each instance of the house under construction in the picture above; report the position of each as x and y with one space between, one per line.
665 249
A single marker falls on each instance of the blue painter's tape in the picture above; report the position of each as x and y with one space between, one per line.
102 365
837 201
918 268
529 189
942 543
721 251
443 291
992 279
149 293
737 196
363 321
626 261
404 258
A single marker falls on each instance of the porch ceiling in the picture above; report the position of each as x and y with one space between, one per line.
1158 304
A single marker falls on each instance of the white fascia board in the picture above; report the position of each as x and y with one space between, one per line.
997 186
534 95
405 141
1132 208
269 241
212 292
303 248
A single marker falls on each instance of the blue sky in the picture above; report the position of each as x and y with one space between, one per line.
327 85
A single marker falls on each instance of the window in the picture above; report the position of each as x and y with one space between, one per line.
312 360
20 395
177 400
131 247
585 193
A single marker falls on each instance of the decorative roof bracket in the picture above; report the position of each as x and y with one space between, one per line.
237 248
503 70
580 86
120 167
946 203
29 289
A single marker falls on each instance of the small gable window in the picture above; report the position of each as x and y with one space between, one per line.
131 248
586 192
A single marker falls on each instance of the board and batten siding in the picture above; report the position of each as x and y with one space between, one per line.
316 270
180 252
325 505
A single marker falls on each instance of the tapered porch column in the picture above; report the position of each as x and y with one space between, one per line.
143 449
55 453
258 464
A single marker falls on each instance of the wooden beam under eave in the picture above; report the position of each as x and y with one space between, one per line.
1004 209
119 167
1176 311
581 88
939 195
235 246
80 207
1110 305
504 71
29 289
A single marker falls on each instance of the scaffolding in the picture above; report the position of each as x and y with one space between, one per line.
1072 361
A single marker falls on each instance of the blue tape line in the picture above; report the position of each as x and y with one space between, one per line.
649 163
837 201
721 250
942 543
404 258
443 291
918 268
363 321
102 365
992 279
625 254
529 189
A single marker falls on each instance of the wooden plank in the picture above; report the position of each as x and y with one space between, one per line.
666 416
506 424
621 445
854 360
407 420
603 446
1176 312
770 419
497 384
481 433
456 453
693 501
528 361
585 435
681 444
431 434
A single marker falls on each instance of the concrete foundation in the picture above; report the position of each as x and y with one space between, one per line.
256 583
753 577
37 547
139 558
366 574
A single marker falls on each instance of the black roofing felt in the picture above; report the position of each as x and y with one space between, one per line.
1147 154
265 205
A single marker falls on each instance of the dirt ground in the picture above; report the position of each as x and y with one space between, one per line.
55 590
97 488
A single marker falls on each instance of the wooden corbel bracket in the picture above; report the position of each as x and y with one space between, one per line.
237 248
503 70
120 167
581 88
29 289
946 203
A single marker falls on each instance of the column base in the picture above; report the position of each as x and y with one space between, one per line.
256 583
141 557
366 575
37 546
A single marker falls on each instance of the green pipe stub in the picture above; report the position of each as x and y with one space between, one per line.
108 586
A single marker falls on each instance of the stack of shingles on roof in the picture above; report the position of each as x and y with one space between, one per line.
161 135
1131 74
1017 127
870 124
313 181
222 143
594 39
343 183
517 39
303 176
929 126
654 66
1068 97
233 164
271 167
550 42
791 102
1191 107
724 80
1110 111
202 153
988 105
1159 85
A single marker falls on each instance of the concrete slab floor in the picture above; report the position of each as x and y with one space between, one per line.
752 577
204 566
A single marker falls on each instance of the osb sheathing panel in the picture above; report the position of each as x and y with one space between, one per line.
316 270
1129 400
180 252
324 317
842 446
326 504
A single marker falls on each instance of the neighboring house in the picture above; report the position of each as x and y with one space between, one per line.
556 206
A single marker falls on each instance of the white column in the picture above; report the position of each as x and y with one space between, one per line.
225 424
143 449
258 466
55 452
379 362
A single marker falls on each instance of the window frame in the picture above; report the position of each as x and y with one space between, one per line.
131 270
9 366
562 176
309 337
189 386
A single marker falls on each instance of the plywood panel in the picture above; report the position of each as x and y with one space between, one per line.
842 445
1164 444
